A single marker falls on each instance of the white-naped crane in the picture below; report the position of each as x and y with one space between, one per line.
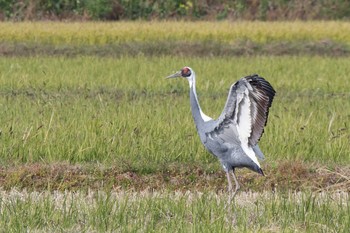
233 137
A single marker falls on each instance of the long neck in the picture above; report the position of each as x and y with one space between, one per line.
197 113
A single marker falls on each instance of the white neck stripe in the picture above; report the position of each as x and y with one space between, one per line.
191 81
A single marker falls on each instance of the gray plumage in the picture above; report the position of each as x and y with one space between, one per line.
233 137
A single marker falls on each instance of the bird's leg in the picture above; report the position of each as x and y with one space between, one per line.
237 184
229 187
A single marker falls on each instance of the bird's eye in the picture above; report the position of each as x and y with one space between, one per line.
185 72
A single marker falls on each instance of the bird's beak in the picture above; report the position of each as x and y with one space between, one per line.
176 75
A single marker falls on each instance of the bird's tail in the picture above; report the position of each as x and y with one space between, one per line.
258 152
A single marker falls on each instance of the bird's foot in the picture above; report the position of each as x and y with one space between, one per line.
231 197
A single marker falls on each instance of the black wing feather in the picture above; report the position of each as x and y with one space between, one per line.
261 95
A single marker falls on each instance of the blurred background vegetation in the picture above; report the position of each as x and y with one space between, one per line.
269 10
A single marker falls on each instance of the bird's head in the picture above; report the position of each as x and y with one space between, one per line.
185 72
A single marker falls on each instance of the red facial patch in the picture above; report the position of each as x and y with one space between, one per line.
185 72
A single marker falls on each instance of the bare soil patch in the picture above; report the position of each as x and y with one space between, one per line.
284 176
240 48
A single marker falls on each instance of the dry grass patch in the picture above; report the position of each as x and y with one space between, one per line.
179 48
163 211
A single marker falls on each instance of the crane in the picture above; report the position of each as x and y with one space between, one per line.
233 137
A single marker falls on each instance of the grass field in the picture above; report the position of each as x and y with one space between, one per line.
107 144
228 32
173 212
90 109
175 38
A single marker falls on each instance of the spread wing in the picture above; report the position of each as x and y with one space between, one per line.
246 111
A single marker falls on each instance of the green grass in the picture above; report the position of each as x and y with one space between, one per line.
172 212
90 109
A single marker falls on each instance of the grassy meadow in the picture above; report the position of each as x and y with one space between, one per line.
90 109
107 144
